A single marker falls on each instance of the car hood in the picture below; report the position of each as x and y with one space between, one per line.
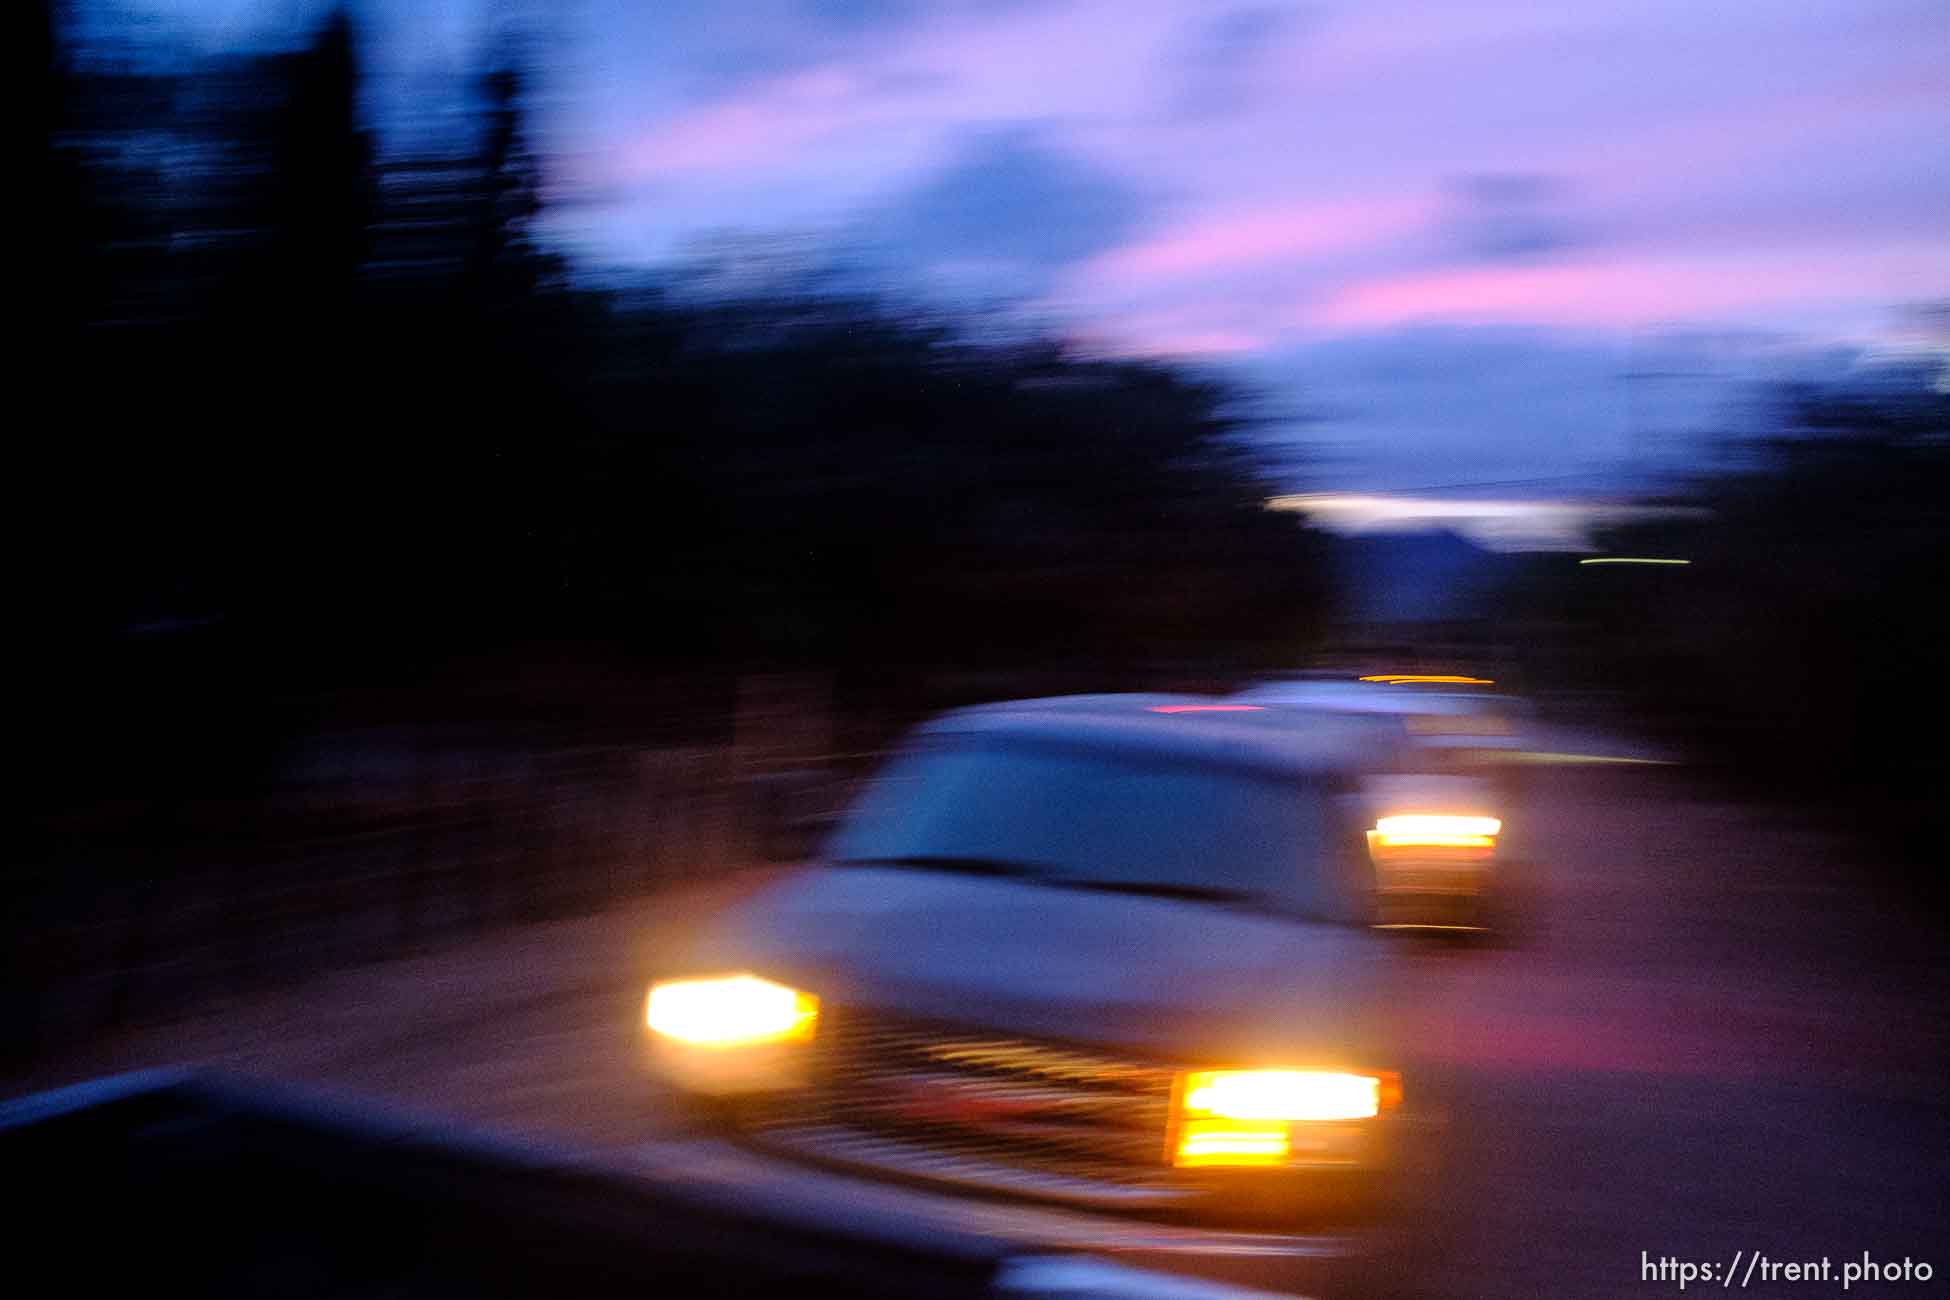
1180 980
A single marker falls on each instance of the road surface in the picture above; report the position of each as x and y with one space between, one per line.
1717 1047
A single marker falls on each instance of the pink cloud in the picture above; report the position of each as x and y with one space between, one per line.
962 70
773 122
1626 293
1260 235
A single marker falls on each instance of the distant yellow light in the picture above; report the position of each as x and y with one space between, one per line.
1631 559
1436 679
731 1011
1430 925
1288 1095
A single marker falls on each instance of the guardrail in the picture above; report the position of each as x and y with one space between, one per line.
143 913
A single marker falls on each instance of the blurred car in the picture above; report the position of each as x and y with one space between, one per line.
1108 952
1449 843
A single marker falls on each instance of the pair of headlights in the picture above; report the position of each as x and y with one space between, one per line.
1220 1117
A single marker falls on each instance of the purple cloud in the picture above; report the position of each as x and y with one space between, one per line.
1258 180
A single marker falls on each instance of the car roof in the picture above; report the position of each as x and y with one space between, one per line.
1183 728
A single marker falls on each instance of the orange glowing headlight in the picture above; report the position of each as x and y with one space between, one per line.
1203 1142
1436 831
1245 1117
730 1011
1281 1094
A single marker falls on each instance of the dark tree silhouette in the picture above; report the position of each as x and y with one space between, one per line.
373 426
340 434
319 208
505 264
1802 648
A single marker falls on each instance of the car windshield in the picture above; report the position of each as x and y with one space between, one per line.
1100 821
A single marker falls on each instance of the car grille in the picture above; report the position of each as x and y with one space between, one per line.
1014 1115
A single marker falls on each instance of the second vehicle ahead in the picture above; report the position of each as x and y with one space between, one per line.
1450 840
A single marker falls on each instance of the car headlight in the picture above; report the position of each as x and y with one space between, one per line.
731 1011
1420 830
1246 1117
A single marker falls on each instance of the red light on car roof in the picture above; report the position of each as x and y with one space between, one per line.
1208 708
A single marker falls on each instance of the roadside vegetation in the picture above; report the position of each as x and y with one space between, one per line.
1802 648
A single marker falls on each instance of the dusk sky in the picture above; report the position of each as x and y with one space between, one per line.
1442 233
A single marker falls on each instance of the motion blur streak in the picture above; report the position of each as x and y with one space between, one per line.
1578 760
1206 708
